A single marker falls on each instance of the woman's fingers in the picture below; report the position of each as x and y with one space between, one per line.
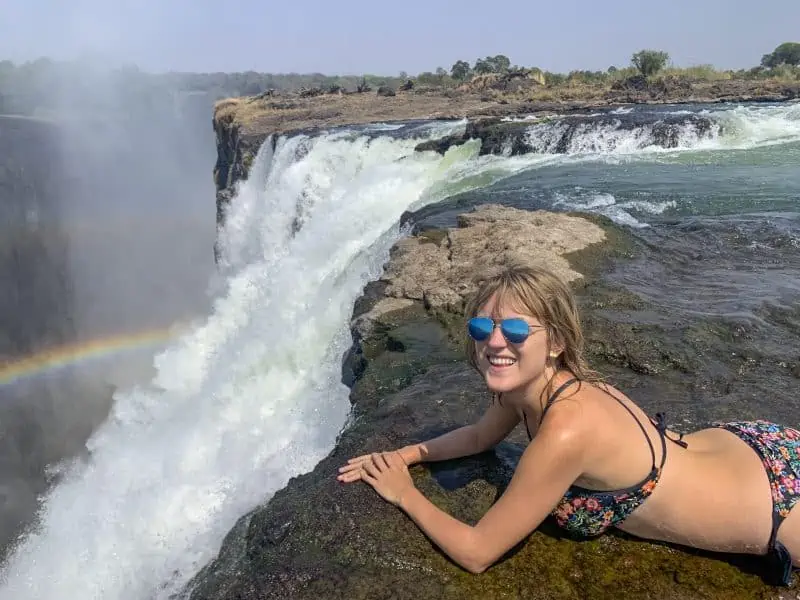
371 468
350 468
351 476
354 468
369 479
354 463
395 460
377 460
386 461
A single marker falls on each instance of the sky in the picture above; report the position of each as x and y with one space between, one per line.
386 37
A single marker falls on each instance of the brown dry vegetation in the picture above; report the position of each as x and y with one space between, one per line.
495 95
290 112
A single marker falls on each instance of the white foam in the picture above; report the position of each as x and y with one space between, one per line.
740 127
757 126
590 140
606 204
654 208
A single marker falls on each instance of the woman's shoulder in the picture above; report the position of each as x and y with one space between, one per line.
567 387
597 391
587 404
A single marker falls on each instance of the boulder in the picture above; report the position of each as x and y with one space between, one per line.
440 272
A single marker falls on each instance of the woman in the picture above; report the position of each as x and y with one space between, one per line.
595 459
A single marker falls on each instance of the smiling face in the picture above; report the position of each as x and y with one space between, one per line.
508 366
538 296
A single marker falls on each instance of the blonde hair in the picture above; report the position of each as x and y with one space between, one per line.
539 292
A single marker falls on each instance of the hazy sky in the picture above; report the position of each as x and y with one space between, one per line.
380 36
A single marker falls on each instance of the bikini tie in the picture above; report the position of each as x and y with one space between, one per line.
661 426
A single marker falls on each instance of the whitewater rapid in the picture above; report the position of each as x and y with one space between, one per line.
252 395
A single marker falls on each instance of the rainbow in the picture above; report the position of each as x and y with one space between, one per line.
58 357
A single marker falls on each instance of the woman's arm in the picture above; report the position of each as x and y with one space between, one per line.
550 464
495 424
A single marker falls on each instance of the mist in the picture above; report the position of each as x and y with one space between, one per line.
141 213
109 229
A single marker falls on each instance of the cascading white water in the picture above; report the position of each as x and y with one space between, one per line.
741 127
758 126
245 400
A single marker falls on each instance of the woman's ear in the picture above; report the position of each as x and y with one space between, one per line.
555 344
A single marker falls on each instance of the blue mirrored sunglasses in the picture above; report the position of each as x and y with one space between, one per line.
515 330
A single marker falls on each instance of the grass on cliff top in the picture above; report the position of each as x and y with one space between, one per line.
474 97
237 109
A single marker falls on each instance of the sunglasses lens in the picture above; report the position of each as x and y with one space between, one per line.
480 328
515 330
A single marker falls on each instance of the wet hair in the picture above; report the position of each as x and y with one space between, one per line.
538 292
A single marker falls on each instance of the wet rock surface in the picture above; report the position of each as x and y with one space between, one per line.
317 538
576 133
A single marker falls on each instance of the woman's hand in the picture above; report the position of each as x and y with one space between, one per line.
353 470
388 474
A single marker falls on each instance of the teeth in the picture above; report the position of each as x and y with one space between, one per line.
496 360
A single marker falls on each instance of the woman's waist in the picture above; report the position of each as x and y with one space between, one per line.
716 488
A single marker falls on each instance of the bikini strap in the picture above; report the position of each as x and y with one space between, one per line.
555 395
661 424
644 432
549 403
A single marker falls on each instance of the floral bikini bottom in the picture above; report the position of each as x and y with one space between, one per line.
778 447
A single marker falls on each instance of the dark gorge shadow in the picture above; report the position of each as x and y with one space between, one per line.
36 314
37 303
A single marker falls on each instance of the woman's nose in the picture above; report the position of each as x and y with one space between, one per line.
496 339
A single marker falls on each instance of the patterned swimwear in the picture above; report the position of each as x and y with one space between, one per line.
591 512
779 449
588 512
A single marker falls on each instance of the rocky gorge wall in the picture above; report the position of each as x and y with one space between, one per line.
318 538
36 305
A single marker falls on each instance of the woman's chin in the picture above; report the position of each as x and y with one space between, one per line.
500 384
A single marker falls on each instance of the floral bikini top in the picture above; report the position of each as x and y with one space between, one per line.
588 512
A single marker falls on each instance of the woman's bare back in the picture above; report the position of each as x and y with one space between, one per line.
712 494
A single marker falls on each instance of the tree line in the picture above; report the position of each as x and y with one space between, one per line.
646 63
48 86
